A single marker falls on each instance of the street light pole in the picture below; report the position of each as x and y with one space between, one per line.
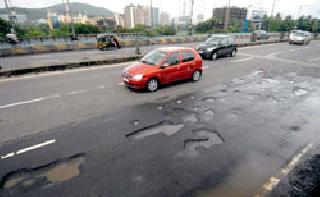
227 16
191 16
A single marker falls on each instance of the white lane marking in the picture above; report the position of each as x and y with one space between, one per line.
291 50
121 84
242 60
205 67
30 101
41 99
275 180
24 150
101 87
75 92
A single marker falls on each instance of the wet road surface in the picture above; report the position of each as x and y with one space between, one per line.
249 127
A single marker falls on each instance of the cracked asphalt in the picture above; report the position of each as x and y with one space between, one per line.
249 127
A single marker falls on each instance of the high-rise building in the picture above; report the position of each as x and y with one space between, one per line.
120 21
140 15
164 18
129 16
235 13
53 21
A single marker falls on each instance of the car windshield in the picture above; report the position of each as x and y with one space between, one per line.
214 40
298 34
153 58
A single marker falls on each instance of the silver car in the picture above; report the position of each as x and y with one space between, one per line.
300 37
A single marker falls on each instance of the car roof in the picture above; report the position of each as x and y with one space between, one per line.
173 49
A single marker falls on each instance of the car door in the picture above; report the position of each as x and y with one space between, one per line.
187 64
170 72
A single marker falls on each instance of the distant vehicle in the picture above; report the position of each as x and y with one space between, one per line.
107 41
217 46
262 35
163 66
299 37
12 38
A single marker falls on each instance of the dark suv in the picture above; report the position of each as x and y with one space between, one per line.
217 46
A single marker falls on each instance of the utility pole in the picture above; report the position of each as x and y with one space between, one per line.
191 16
227 16
67 14
11 15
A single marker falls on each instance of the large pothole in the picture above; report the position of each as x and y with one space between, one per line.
57 171
163 127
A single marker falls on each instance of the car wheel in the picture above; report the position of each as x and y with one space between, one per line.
196 75
152 85
233 53
214 56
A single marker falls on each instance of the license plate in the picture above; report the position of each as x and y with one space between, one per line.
200 51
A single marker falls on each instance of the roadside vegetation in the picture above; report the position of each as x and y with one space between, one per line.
271 24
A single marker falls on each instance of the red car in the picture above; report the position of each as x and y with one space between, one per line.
163 66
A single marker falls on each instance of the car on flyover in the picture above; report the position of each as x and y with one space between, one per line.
163 66
299 37
262 34
218 46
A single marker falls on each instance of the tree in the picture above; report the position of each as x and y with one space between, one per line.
5 27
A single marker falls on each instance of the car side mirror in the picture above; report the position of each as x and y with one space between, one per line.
164 65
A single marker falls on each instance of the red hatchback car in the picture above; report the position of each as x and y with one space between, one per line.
163 66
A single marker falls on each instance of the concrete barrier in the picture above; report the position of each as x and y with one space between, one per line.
241 40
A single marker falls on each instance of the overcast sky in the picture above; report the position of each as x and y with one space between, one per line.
174 7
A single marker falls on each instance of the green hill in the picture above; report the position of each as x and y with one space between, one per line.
76 8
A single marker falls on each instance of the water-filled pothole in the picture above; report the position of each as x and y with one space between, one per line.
163 127
57 171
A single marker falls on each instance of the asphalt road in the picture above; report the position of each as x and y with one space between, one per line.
60 58
240 131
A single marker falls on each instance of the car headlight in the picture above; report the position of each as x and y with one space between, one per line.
211 49
137 77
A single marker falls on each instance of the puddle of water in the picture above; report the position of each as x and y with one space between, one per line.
64 172
163 128
300 92
12 182
57 172
190 118
210 99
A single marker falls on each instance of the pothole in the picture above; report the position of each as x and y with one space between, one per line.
57 171
206 139
163 127
190 118
300 91
234 113
294 128
209 112
209 99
